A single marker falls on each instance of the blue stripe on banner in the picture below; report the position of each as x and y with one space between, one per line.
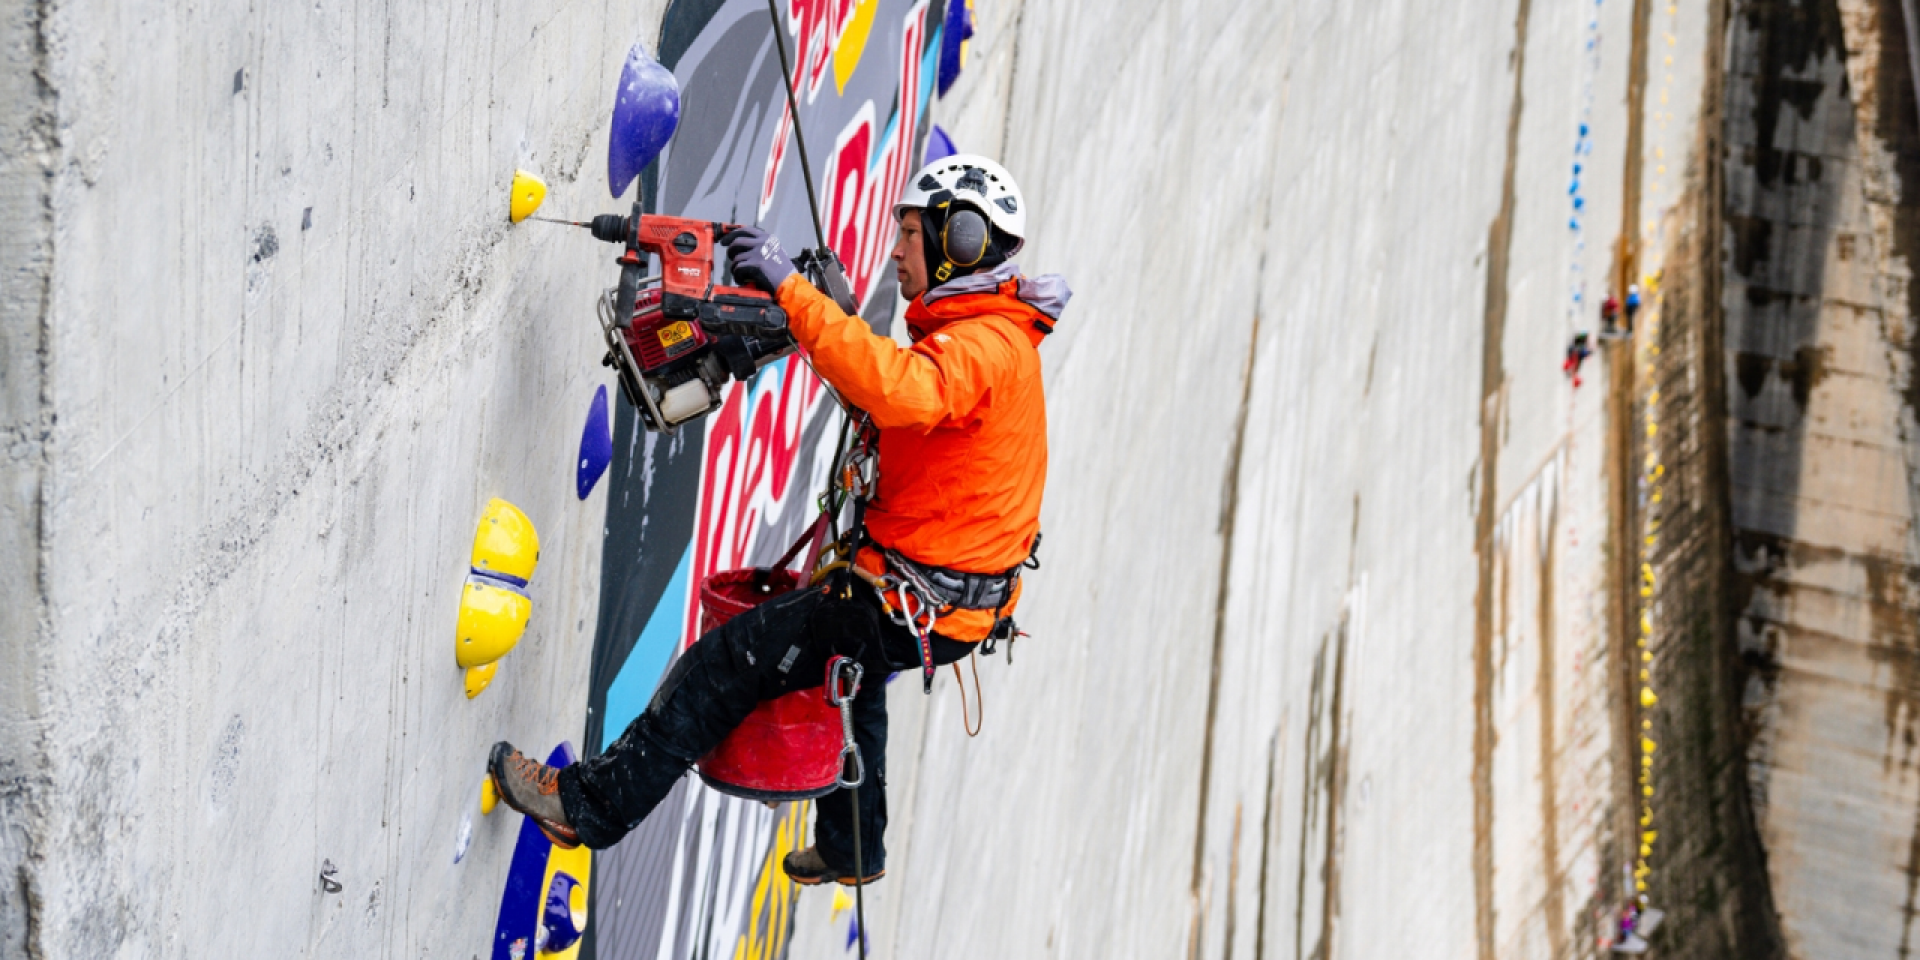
633 686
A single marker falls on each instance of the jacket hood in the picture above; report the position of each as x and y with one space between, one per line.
1046 295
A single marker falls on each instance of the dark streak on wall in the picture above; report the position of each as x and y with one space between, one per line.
1493 378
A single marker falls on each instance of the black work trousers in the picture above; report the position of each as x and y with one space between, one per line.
776 648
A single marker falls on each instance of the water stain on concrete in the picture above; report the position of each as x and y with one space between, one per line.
1493 379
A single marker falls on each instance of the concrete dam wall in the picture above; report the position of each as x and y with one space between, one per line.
1365 625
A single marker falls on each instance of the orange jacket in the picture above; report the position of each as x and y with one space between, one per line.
962 419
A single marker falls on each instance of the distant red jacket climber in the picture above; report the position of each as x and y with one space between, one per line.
962 426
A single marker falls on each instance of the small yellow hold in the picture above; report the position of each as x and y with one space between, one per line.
1639 886
529 192
1643 675
1647 699
1646 819
478 678
841 903
489 797
1649 836
1646 791
1646 851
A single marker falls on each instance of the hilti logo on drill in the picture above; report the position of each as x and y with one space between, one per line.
689 271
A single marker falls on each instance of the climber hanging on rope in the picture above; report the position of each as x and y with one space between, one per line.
962 459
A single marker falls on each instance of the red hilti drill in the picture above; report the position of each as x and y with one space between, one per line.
676 337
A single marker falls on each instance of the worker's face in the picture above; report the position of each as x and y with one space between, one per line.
909 257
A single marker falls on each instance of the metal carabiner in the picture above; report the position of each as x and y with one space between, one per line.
843 684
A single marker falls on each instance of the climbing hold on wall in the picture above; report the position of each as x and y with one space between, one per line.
489 796
505 544
596 444
565 914
646 109
853 42
939 146
478 678
493 616
529 192
494 607
954 35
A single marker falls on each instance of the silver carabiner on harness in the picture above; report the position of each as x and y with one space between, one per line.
843 683
904 590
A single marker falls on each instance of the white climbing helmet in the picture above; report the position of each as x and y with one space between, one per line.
974 179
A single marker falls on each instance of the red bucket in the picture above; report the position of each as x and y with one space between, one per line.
788 748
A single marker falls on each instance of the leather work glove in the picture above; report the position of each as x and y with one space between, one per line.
756 259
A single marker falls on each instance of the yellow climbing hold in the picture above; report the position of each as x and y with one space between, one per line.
505 542
492 619
1647 699
489 797
529 192
478 678
841 903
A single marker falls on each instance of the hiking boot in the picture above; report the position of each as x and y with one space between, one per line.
533 788
808 868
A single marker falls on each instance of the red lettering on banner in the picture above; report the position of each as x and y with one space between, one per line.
816 26
866 179
752 443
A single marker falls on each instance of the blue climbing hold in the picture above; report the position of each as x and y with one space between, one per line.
1579 202
596 444
646 110
957 30
939 146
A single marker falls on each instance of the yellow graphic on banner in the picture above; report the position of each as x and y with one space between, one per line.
853 43
769 919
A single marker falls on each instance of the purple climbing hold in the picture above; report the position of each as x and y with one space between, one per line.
939 146
646 110
596 445
956 31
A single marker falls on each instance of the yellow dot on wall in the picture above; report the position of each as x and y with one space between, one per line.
1647 745
1647 699
1646 791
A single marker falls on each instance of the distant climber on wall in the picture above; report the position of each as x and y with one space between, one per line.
962 462
1633 304
1609 318
1577 353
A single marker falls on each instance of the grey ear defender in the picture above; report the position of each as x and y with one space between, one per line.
964 237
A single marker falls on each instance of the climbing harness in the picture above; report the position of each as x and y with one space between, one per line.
843 684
